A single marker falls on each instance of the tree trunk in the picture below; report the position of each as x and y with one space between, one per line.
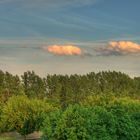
25 137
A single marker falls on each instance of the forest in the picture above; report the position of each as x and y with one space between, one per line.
94 106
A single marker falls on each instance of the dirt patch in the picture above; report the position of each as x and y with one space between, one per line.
17 136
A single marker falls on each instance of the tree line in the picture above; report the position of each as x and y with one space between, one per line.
70 89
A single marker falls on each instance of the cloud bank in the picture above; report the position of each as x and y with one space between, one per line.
120 48
63 49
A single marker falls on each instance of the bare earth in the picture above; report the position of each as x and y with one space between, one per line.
16 136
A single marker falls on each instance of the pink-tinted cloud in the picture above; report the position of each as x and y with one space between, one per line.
125 46
120 48
63 50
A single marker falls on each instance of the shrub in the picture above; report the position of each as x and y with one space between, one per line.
24 115
114 122
79 123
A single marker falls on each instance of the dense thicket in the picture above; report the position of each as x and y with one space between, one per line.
113 122
94 106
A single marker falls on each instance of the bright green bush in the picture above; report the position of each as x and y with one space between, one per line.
23 115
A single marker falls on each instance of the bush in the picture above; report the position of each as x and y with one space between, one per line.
96 123
79 123
69 124
127 114
23 115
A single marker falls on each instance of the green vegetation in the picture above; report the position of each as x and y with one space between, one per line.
95 106
119 120
23 114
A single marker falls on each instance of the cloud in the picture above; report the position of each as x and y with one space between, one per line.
125 46
120 48
63 49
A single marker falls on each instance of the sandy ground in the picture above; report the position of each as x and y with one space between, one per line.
16 136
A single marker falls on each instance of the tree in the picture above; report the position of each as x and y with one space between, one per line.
127 114
34 86
23 114
118 120
79 123
69 124
9 85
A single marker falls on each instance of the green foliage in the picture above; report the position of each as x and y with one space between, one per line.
34 86
112 122
23 115
95 106
9 85
75 88
127 113
69 124
79 123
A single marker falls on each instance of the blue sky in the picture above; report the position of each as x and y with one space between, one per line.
27 25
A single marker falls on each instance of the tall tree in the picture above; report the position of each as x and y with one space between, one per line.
34 86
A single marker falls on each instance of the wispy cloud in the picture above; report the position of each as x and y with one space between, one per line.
90 23
49 3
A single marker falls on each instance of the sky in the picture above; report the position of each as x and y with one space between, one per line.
70 36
